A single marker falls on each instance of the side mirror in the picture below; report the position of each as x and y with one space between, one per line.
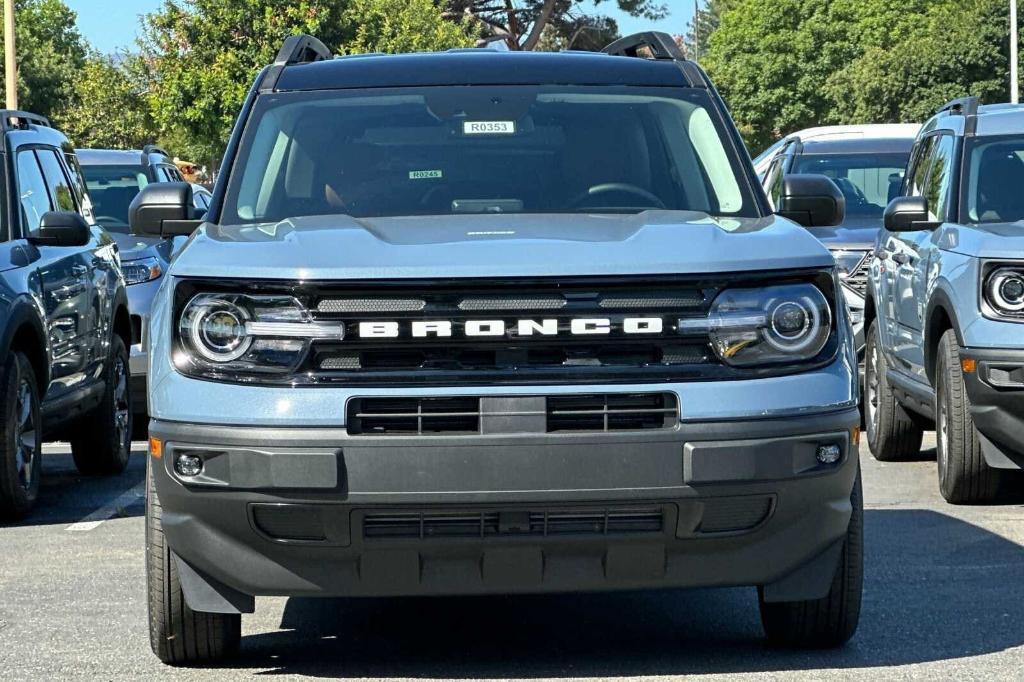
163 209
61 228
811 200
907 214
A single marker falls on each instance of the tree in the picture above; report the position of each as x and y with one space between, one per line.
50 53
522 23
402 26
705 21
108 107
783 65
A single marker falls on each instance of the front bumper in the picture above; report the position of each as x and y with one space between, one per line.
316 511
996 392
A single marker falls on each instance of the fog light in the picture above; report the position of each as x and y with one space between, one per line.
829 454
191 465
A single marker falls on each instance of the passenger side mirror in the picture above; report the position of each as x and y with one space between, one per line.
61 228
163 209
907 214
811 200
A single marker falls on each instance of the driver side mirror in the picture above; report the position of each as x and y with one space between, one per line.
61 228
163 209
811 200
907 214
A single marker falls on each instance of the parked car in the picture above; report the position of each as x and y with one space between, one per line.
867 163
432 339
114 178
946 312
835 133
64 328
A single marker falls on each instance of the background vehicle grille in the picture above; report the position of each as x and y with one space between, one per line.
858 279
512 414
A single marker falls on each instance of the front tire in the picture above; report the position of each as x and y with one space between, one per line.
103 440
177 634
21 437
964 476
893 434
832 620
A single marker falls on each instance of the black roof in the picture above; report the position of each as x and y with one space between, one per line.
481 67
861 145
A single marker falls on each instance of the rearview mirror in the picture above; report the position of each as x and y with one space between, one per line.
907 214
163 209
811 200
61 228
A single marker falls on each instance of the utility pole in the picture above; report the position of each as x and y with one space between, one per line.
1014 94
10 58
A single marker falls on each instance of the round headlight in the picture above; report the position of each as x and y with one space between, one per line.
796 324
1005 291
216 329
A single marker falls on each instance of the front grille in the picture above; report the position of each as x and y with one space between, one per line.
858 279
512 414
490 523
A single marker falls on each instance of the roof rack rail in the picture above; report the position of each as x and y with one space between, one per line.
12 119
297 49
661 45
965 106
155 149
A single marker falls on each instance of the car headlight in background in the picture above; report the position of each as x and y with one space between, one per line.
142 270
1003 289
848 262
252 333
789 323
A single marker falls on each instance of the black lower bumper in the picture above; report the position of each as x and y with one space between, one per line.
996 392
318 512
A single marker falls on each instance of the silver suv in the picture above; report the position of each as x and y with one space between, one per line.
481 322
946 313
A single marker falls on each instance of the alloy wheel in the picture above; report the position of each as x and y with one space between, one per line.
26 450
122 417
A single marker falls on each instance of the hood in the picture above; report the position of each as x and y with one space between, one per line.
653 242
854 233
133 247
996 240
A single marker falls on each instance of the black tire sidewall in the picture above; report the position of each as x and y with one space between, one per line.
17 501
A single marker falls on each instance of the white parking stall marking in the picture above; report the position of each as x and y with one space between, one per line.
93 520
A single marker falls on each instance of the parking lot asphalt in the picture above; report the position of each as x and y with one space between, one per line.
944 598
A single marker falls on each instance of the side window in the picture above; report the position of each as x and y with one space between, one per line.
773 181
921 160
940 176
32 194
61 191
77 179
161 174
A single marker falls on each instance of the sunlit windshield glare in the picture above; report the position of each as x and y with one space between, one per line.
868 181
439 151
995 180
111 189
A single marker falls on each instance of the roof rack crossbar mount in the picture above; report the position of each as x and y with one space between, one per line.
155 149
297 49
23 118
966 106
661 45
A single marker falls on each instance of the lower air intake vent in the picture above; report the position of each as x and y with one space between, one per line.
414 416
451 524
734 514
612 412
292 522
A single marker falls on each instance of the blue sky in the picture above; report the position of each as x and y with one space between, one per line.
109 29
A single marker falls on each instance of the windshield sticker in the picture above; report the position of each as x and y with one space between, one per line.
488 127
425 174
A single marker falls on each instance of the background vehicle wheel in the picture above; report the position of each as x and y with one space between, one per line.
831 620
893 435
102 441
964 476
177 634
21 437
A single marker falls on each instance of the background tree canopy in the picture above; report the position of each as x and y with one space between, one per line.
783 65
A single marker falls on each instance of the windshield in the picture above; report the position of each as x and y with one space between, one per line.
494 149
111 189
868 181
995 176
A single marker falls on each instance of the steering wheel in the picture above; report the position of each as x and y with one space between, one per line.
611 187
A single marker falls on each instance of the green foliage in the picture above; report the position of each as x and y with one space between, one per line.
402 26
787 64
50 53
704 23
108 108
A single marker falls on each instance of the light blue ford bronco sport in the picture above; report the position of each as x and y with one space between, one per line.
481 322
945 348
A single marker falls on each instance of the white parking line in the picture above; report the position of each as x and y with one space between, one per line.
93 520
